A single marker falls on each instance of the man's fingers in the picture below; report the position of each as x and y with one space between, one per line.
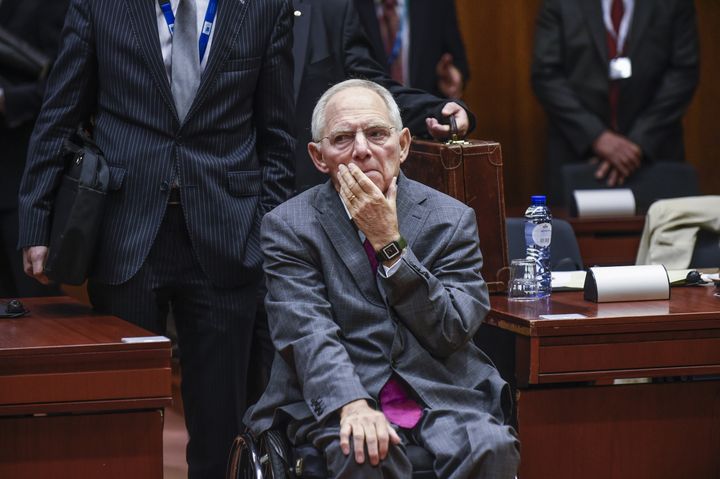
371 440
27 264
602 170
394 436
362 183
34 259
436 129
392 191
358 438
383 441
345 430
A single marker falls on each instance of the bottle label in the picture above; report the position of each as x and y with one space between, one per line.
542 234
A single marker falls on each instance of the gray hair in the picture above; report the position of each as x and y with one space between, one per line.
318 116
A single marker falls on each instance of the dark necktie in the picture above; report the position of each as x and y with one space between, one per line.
370 252
617 10
395 401
389 28
185 57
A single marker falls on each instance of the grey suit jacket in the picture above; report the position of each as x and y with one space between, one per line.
341 331
570 78
232 153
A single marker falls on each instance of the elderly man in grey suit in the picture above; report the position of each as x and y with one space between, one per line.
374 295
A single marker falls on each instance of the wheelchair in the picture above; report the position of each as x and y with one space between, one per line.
272 456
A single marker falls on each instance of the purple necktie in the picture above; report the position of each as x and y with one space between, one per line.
370 252
395 401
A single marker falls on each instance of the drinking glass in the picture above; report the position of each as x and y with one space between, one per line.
523 284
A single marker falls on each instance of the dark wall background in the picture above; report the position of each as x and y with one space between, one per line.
499 36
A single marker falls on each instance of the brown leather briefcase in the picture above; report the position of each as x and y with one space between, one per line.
470 171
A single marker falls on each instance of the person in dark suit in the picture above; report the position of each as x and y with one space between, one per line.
615 78
431 54
195 128
38 24
329 47
374 296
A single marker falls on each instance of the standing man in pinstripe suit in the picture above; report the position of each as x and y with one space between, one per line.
199 148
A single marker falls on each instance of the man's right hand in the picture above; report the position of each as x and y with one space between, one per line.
366 425
34 259
619 157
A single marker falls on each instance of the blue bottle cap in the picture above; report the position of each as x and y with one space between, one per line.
538 199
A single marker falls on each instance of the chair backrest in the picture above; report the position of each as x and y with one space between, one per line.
706 253
648 184
564 250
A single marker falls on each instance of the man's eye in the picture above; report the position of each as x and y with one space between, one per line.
342 138
377 134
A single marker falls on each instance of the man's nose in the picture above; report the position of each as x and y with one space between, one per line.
360 146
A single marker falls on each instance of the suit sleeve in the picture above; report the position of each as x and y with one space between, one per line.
676 87
579 126
442 305
415 105
273 114
69 99
301 321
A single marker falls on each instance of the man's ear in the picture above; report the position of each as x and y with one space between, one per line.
317 159
405 140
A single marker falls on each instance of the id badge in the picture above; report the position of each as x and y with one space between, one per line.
620 68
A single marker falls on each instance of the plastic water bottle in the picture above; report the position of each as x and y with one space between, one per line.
538 233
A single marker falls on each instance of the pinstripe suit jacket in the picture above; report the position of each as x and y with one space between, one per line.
341 331
232 153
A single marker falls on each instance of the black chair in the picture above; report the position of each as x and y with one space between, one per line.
648 184
706 253
564 250
273 457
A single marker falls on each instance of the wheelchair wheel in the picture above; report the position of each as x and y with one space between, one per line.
244 461
276 458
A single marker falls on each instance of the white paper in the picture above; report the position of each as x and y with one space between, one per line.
563 316
568 280
605 203
631 283
145 339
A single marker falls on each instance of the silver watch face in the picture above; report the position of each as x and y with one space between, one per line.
391 250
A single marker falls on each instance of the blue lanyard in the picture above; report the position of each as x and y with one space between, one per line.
397 44
207 24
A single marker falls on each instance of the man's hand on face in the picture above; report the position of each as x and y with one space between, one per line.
373 213
34 259
366 426
442 132
619 157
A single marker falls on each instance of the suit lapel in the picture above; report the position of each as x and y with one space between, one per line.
301 33
230 17
411 210
345 240
592 9
640 22
144 21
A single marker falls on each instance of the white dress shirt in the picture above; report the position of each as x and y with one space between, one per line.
620 36
166 38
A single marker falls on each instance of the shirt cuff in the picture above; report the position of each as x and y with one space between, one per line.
390 270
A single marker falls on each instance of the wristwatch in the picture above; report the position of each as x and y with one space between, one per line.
391 250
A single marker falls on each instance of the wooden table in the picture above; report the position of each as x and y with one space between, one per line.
575 422
76 400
